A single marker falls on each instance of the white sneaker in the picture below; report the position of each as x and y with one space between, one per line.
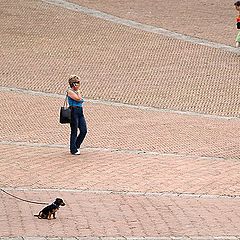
76 153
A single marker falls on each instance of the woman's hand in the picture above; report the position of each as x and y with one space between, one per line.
75 95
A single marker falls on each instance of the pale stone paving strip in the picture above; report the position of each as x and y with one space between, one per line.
90 149
127 193
126 238
110 103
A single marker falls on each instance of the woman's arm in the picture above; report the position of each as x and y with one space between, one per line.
74 95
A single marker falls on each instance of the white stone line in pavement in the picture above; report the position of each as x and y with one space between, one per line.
31 92
121 150
206 237
29 144
128 193
117 104
140 26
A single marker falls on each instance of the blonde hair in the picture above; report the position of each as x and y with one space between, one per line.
72 79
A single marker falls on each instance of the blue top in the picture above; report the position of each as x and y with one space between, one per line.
72 102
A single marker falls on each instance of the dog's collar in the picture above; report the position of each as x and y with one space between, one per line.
56 205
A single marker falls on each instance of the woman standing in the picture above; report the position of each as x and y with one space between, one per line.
75 102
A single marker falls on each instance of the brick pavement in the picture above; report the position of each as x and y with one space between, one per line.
101 214
208 19
200 183
118 126
117 171
117 63
160 168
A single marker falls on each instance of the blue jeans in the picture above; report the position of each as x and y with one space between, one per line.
77 122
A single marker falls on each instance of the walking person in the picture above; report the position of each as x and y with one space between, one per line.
237 6
75 102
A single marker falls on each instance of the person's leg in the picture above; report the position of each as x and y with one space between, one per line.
74 128
83 131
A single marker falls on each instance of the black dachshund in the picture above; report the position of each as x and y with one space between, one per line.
51 209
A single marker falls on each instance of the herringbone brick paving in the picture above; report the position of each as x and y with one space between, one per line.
117 63
118 127
201 19
143 173
117 171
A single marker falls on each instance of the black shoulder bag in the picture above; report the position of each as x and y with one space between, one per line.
65 112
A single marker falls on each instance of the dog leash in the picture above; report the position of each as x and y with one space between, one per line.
24 200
